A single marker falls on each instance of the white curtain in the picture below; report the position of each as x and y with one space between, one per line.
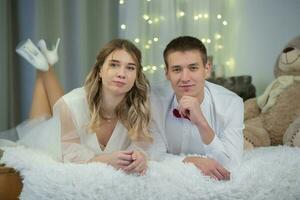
9 75
83 26
151 24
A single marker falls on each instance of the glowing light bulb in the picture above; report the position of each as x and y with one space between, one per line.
219 16
154 68
181 14
196 17
205 16
203 40
218 36
225 23
146 17
155 39
136 40
150 21
208 40
123 26
147 46
200 16
149 41
121 2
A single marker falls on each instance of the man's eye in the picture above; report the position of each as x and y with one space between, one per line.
176 69
194 68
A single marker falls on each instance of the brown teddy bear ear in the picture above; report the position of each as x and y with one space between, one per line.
292 134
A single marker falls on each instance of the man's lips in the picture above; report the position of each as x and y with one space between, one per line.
185 86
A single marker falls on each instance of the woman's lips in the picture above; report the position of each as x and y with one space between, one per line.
119 83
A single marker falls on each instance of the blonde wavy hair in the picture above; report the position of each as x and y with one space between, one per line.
133 111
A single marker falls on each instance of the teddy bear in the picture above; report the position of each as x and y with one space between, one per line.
268 116
292 134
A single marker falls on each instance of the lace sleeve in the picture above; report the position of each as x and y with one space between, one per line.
72 148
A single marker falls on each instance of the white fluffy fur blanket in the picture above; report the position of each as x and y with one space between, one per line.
265 173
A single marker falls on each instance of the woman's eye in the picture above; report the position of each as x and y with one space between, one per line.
131 68
113 64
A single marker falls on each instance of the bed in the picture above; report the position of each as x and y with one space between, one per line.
264 173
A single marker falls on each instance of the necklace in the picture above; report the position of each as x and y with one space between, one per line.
109 119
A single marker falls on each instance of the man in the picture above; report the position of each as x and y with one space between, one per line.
198 117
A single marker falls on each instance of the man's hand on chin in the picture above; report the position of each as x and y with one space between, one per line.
209 167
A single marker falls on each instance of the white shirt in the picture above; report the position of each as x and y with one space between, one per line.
224 112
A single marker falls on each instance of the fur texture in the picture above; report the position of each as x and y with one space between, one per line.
265 173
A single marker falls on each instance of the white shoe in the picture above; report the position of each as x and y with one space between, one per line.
51 55
33 55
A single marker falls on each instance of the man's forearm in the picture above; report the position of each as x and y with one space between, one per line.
205 131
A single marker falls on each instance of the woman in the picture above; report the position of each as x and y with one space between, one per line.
105 121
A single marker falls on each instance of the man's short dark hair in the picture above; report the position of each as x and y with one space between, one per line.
185 43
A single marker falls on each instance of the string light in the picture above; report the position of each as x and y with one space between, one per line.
181 14
230 64
123 26
136 40
218 36
146 17
211 40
